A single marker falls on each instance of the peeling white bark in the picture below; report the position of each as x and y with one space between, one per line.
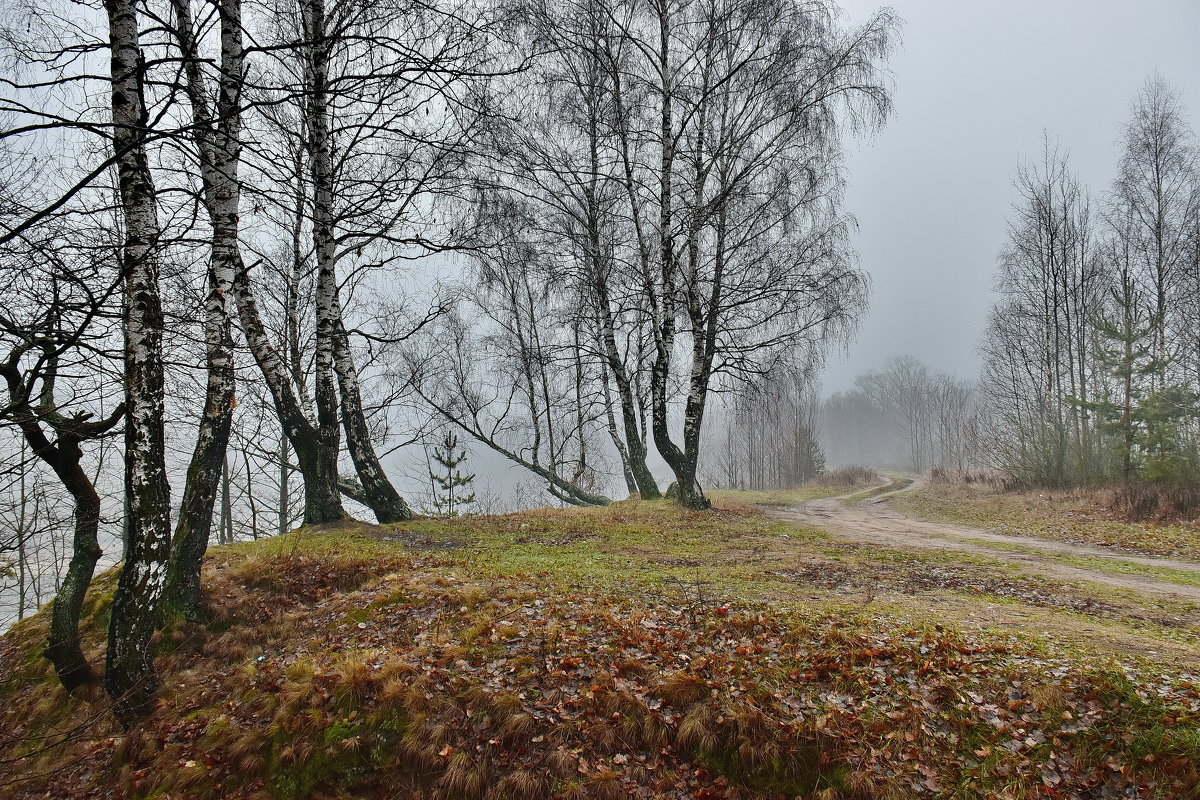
130 676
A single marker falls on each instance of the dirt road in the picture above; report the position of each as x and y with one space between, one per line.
866 517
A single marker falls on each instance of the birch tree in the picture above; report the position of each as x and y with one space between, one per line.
689 167
130 677
559 155
1158 191
751 252
217 134
1038 349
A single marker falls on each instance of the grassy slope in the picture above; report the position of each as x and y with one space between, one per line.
632 651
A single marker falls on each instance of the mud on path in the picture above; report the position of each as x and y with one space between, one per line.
866 517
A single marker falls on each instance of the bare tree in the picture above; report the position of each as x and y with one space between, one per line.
1067 377
768 439
689 170
58 318
751 253
1158 191
217 134
1038 348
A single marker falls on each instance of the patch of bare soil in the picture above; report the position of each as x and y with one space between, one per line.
919 578
555 539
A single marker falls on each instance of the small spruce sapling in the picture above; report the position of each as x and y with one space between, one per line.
452 488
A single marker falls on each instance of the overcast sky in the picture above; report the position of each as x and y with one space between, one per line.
976 82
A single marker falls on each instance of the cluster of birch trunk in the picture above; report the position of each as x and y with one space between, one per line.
134 162
556 226
1092 355
661 216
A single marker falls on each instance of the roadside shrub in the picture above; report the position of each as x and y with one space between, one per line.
995 480
848 476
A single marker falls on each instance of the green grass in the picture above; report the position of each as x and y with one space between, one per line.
1116 566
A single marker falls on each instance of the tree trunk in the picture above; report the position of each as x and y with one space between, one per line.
220 148
622 452
322 451
130 676
63 647
219 143
322 502
283 486
64 456
225 536
383 499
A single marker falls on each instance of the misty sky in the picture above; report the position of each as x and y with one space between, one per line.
976 82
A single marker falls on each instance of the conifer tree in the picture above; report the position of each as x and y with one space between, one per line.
1124 352
452 488
1144 414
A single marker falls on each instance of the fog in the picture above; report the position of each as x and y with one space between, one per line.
975 86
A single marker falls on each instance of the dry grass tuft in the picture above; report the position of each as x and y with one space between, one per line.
572 791
698 731
681 689
847 476
1150 501
633 668
525 784
505 704
355 681
605 785
463 777
561 764
518 726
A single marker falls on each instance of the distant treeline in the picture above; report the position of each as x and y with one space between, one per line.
777 434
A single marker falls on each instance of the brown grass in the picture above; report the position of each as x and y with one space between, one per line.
593 690
681 689
1137 502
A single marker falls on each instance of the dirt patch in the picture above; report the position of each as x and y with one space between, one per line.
421 542
554 539
920 578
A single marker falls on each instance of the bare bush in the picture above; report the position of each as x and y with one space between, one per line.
1141 501
847 476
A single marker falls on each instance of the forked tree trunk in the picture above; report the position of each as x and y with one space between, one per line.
130 677
220 145
385 502
322 501
321 452
336 376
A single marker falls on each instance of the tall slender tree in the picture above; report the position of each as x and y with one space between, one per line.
130 676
